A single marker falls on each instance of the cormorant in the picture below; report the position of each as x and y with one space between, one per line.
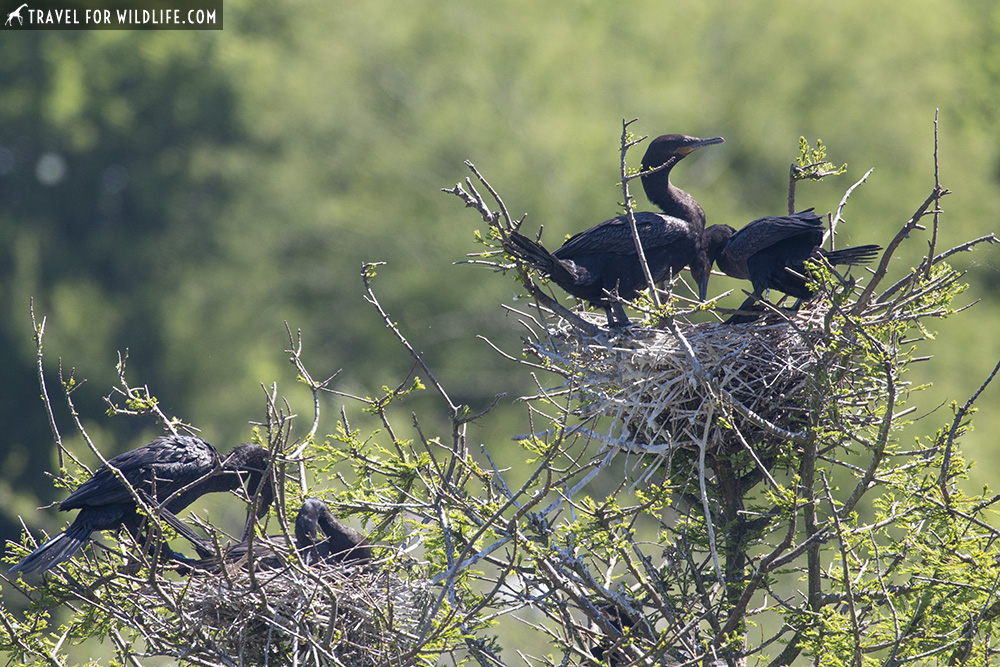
621 622
174 470
319 538
771 253
337 543
603 260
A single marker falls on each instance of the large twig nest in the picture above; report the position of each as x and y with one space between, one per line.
687 384
321 615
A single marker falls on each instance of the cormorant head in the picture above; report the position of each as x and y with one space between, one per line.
714 241
670 148
323 538
663 153
307 521
251 462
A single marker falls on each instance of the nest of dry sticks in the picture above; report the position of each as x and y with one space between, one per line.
692 384
327 614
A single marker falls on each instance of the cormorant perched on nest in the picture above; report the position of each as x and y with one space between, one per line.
174 470
323 539
319 538
771 253
603 260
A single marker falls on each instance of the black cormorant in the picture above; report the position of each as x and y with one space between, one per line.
172 469
319 538
603 260
621 622
322 539
771 253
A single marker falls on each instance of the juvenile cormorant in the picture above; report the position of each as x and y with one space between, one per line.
323 539
771 253
603 260
319 538
174 470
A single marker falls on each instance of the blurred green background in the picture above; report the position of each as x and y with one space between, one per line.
183 194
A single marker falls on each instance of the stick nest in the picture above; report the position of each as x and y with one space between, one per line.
667 389
321 615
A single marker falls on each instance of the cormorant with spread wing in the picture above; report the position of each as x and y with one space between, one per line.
771 253
601 262
172 470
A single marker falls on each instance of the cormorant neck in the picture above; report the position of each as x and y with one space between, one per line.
669 198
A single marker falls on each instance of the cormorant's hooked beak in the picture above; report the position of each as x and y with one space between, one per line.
701 277
703 284
699 143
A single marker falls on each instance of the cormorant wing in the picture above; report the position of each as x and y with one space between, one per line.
614 236
172 462
763 233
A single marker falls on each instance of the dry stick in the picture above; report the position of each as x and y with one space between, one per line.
295 349
964 247
903 233
807 481
702 486
476 201
370 298
142 396
881 581
702 446
937 202
536 498
493 193
959 416
838 218
459 564
588 328
629 213
39 330
793 171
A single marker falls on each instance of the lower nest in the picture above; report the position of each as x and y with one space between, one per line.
323 615
678 387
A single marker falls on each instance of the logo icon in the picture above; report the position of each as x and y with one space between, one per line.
16 14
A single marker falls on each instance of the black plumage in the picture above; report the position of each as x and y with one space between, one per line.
319 538
771 253
621 622
603 260
172 470
265 553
